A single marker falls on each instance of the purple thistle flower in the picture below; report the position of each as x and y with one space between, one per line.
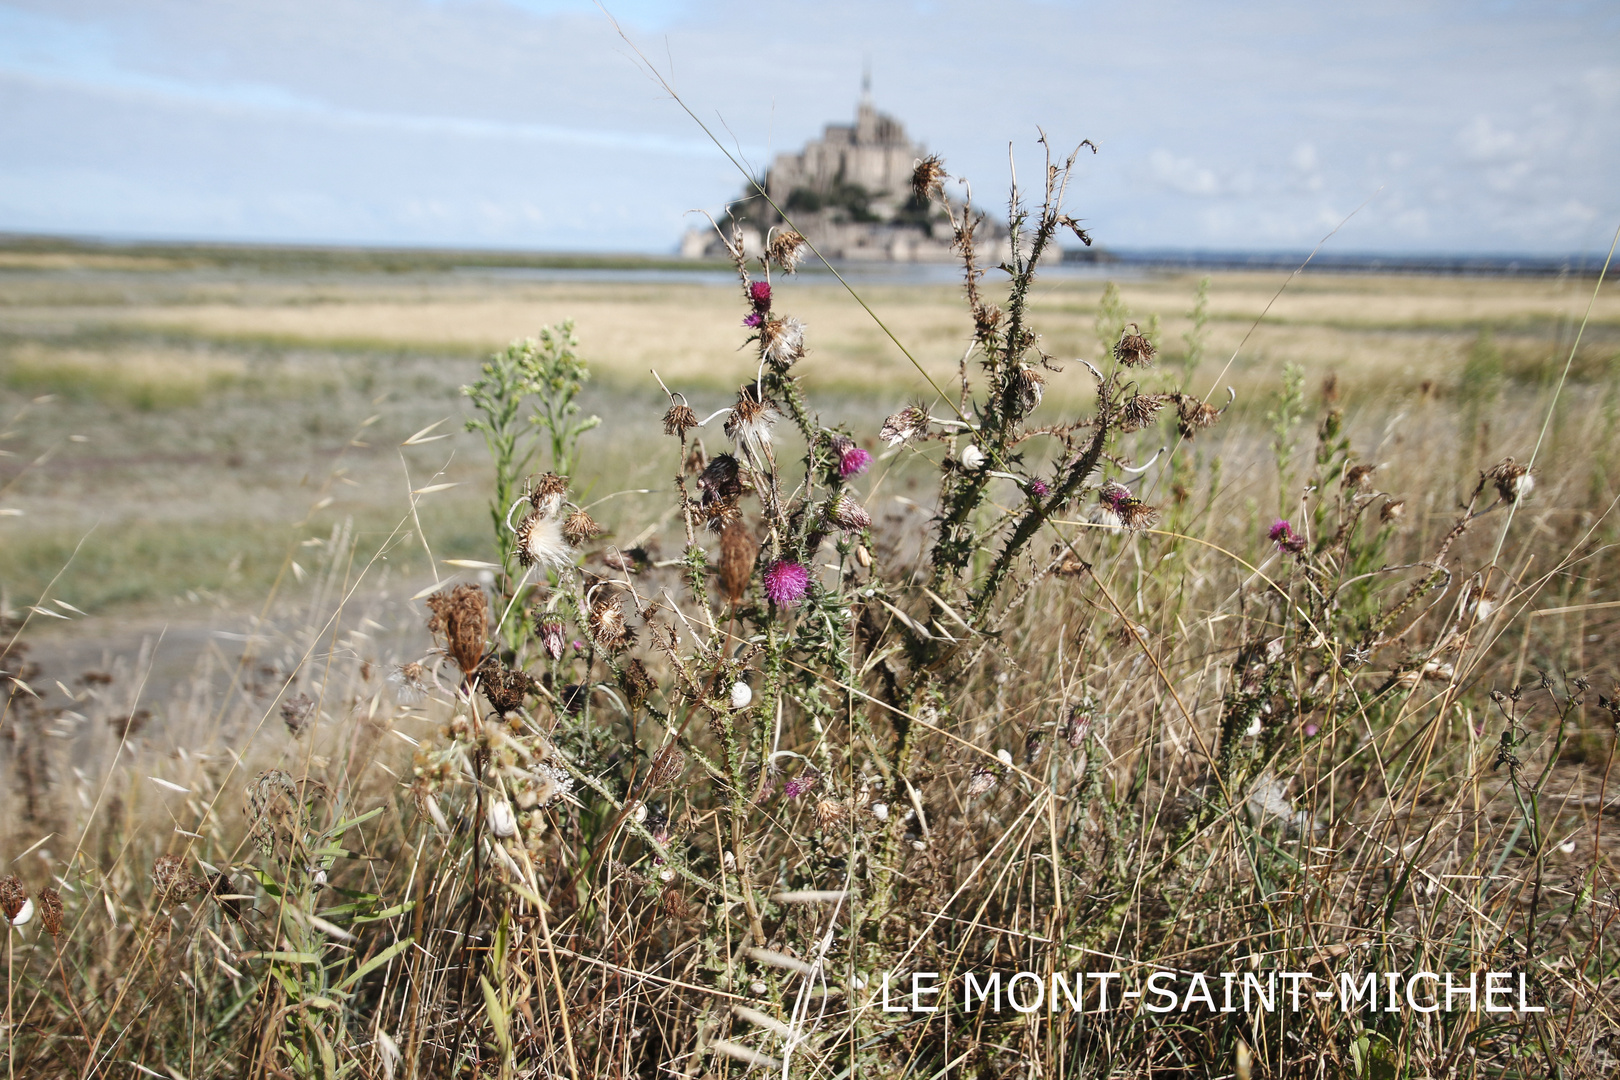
1287 540
852 462
1039 489
1114 495
754 319
760 293
802 784
1310 730
786 583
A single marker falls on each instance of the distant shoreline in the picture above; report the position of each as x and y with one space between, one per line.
18 251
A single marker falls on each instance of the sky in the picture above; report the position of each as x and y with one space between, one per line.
1457 127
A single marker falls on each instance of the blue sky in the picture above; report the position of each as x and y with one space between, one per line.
1463 127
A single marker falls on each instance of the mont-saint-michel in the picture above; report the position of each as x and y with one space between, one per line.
849 192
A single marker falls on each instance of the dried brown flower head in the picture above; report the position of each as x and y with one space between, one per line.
275 809
636 683
787 248
721 480
1140 411
679 419
675 905
667 766
1393 510
1133 349
1194 415
986 321
1513 481
546 493
461 617
608 627
504 687
579 528
830 812
1078 725
174 884
1025 388
297 712
749 425
50 911
13 897
928 178
737 554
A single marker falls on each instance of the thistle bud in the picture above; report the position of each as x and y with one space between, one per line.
548 627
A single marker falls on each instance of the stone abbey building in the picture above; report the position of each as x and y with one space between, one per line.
849 192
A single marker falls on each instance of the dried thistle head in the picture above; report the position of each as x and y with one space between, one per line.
986 321
541 542
636 683
410 682
607 625
275 809
546 493
981 781
928 178
906 424
679 419
1133 349
786 249
1359 478
737 554
1194 415
847 514
781 342
830 812
174 884
504 687
579 528
50 911
1140 411
675 905
1513 481
1025 388
461 617
297 712
721 480
1393 510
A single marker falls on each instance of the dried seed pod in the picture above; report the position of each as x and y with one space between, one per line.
1513 481
928 178
546 494
174 884
786 249
830 812
679 419
667 766
737 554
50 911
13 895
636 683
607 626
1140 411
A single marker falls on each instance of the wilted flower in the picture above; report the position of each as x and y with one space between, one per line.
1287 540
781 342
579 528
1140 411
786 582
504 687
848 514
972 457
607 626
540 542
1359 478
749 425
548 627
1025 388
546 494
830 812
908 423
679 419
1078 726
409 682
296 713
1392 511
1134 350
1194 415
786 249
1513 481
928 177
174 884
